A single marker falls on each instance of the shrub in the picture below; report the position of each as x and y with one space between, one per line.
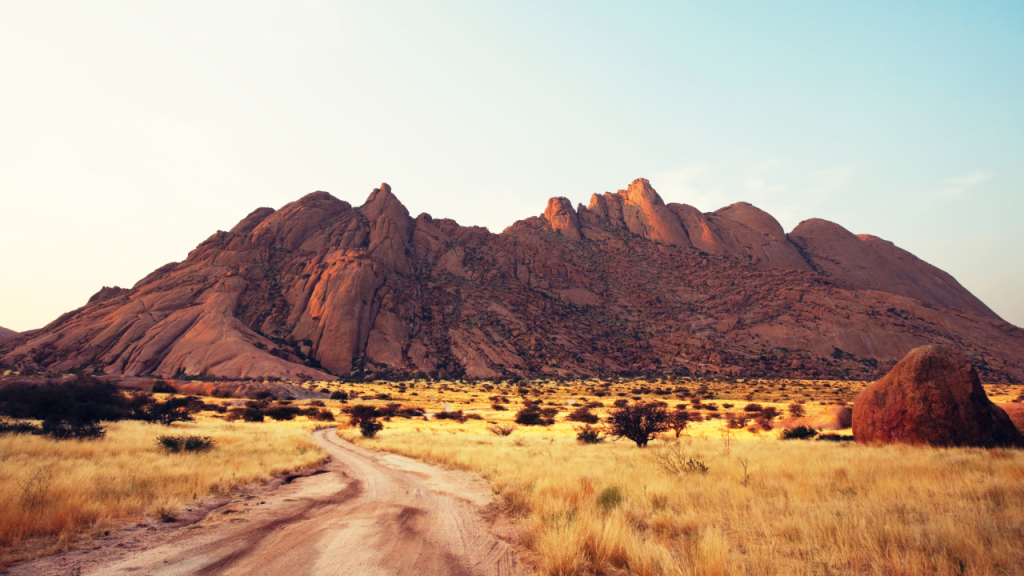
81 401
185 443
19 428
281 413
621 403
736 421
678 420
753 408
673 460
832 437
770 412
501 429
162 387
453 415
252 415
588 434
168 412
369 427
796 410
799 433
498 407
583 414
763 423
339 395
323 416
361 412
609 498
62 430
533 416
639 422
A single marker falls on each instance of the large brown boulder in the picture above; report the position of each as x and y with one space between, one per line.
1015 411
932 396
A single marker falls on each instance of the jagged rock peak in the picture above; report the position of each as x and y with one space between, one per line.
562 217
641 192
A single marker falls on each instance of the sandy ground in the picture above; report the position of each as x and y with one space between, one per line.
368 513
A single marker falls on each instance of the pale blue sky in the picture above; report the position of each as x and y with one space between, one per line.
129 132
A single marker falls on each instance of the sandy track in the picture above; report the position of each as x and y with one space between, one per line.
369 514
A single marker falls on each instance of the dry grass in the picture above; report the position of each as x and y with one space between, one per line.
50 491
800 507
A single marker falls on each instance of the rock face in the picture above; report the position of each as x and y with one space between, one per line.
1015 411
933 396
5 333
625 285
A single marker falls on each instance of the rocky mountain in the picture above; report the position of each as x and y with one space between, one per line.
624 285
4 333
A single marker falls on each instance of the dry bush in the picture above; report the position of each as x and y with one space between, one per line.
501 429
799 508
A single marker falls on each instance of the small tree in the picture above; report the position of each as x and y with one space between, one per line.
369 427
796 410
638 422
678 420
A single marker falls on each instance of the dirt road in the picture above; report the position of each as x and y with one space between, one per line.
368 514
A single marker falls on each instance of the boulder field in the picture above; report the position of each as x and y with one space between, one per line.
932 396
626 285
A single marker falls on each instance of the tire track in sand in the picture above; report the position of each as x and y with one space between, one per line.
371 514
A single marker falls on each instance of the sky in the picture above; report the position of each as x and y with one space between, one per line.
132 131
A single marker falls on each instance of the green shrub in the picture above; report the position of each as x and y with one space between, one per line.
185 443
369 427
831 437
252 415
588 434
799 433
323 416
609 498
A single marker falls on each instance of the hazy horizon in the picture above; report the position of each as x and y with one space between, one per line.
134 132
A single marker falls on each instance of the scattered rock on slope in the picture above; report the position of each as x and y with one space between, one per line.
933 396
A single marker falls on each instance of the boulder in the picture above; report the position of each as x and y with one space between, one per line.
933 396
1015 411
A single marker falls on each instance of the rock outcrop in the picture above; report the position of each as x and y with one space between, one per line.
933 396
1015 410
626 285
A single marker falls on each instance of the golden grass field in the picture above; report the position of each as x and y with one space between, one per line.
50 492
766 506
800 507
